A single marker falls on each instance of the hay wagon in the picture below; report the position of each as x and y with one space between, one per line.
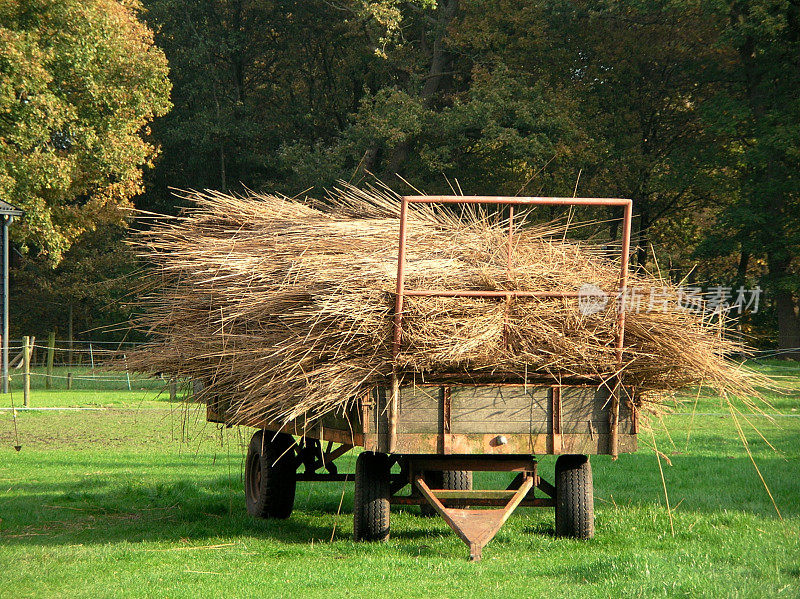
422 441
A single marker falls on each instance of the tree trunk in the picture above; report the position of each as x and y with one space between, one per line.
787 308
642 241
788 313
440 62
741 269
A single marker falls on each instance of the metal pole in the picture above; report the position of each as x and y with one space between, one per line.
26 372
6 222
613 432
127 372
398 326
508 273
623 279
401 276
51 350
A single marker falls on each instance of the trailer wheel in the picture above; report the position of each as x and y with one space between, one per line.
270 476
371 504
574 497
454 480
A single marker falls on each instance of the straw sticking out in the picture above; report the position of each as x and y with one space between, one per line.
284 308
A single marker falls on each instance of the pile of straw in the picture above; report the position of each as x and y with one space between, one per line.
284 308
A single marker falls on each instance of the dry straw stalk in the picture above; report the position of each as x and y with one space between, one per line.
283 308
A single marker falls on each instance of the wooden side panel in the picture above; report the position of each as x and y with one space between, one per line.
420 410
418 443
342 421
500 410
380 411
586 411
479 415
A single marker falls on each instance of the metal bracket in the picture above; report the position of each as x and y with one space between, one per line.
555 394
475 527
446 435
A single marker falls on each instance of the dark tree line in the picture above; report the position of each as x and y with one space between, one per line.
688 107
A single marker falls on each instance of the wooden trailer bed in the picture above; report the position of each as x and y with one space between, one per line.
475 419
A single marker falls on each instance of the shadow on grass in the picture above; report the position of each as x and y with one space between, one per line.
107 508
171 496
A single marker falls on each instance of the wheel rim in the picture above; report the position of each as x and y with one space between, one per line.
254 478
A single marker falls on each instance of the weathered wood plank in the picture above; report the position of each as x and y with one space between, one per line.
537 444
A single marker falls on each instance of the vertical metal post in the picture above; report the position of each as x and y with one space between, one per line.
623 279
446 419
398 324
6 222
555 409
401 279
393 412
26 372
510 238
613 415
508 272
51 350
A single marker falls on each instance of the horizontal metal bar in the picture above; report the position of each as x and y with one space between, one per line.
517 201
478 463
419 500
474 493
312 477
500 294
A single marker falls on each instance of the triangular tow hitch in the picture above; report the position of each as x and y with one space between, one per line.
475 527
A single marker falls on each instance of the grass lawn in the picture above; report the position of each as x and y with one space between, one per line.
90 388
143 498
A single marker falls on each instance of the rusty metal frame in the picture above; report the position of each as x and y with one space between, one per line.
555 412
475 527
402 292
446 420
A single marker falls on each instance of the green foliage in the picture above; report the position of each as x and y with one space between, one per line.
688 107
760 112
96 280
259 87
79 82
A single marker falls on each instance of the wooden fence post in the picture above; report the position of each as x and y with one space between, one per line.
69 336
26 372
69 381
51 350
173 389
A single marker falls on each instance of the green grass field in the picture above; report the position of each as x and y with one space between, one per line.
143 498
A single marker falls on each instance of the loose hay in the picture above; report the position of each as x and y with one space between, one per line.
284 308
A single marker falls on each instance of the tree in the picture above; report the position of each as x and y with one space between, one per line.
80 80
644 73
453 104
255 79
94 283
760 112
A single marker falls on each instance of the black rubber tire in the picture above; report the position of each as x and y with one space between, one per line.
456 480
574 497
270 475
371 503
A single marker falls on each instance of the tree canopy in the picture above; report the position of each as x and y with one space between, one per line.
687 107
80 80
